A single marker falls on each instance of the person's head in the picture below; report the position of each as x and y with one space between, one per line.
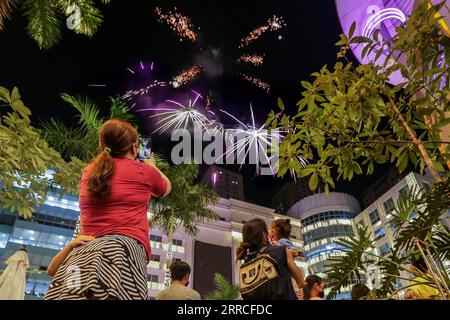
359 290
116 138
280 228
418 262
180 272
314 287
254 236
23 248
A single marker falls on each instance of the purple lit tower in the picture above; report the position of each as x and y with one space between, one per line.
385 15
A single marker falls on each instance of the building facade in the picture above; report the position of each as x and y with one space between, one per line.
45 234
226 183
324 220
212 250
377 217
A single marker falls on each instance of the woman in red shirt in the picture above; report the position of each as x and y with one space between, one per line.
115 190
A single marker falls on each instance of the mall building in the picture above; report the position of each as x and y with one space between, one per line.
317 222
211 251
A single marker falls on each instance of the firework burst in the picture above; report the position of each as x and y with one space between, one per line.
186 76
183 26
130 94
273 24
256 82
179 23
254 59
255 141
175 115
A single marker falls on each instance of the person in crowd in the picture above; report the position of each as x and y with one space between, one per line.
314 288
256 237
115 190
361 292
57 260
14 278
180 272
279 234
421 290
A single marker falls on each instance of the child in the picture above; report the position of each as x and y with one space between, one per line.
61 256
279 234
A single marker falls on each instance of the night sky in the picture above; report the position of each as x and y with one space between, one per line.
130 33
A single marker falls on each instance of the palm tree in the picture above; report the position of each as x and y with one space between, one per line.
43 17
81 141
425 228
6 8
224 290
184 207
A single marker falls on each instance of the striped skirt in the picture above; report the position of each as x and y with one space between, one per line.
109 267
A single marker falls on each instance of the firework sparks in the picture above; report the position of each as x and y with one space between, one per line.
273 24
176 115
130 94
256 140
185 76
256 82
180 24
254 59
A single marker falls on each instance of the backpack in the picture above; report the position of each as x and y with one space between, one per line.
258 277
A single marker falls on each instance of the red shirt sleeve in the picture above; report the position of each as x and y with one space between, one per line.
157 183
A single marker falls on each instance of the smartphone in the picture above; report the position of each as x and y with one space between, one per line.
145 148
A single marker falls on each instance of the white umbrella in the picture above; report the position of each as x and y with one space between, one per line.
13 279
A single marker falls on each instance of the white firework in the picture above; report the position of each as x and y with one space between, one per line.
177 115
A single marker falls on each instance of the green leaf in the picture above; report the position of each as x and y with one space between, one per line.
352 29
361 39
438 165
306 85
15 95
443 122
402 161
4 95
280 104
313 181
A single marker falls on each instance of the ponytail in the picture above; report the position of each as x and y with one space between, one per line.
99 182
115 139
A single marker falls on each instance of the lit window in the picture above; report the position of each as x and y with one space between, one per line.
379 232
389 205
384 249
374 216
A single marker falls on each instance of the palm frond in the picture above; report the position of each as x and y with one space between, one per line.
119 110
441 243
390 272
69 141
89 113
161 218
43 23
346 269
90 16
6 8
161 162
406 204
189 201
224 290
430 207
